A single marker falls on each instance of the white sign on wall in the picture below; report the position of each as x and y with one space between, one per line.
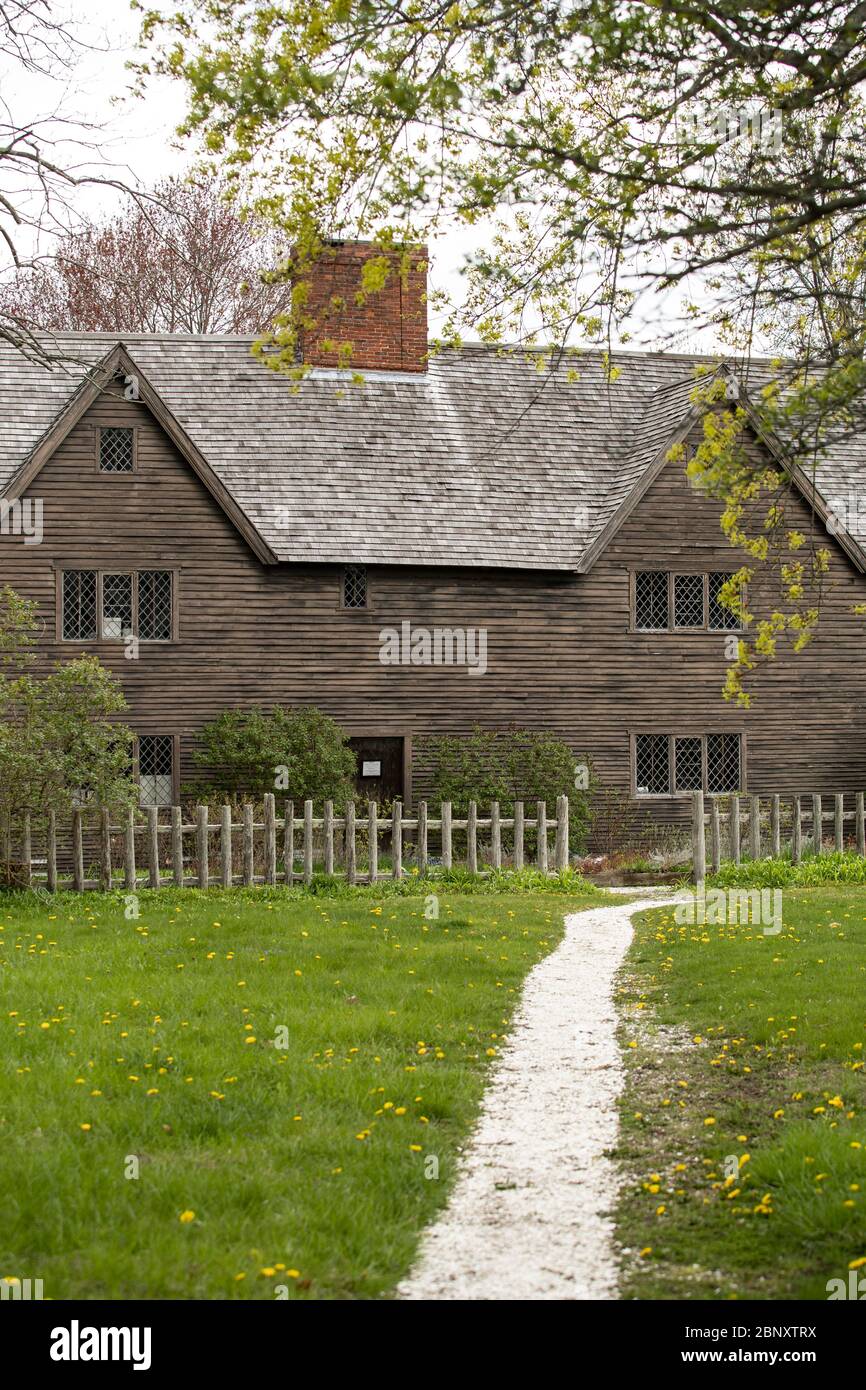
371 769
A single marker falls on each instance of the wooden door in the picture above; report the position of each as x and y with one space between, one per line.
379 763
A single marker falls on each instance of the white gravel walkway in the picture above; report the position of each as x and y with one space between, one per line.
528 1217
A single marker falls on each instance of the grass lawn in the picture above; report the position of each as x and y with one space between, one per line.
282 1072
744 1118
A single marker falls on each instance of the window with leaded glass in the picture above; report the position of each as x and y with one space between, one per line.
355 586
154 605
651 600
116 449
723 763
721 619
155 769
78 623
652 765
688 600
116 606
688 764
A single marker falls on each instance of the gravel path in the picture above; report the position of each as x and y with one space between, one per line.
527 1218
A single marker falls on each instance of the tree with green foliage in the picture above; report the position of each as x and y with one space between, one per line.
60 740
300 753
618 156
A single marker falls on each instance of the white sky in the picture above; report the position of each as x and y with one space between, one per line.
136 136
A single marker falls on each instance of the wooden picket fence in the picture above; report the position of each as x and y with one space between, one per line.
745 819
278 842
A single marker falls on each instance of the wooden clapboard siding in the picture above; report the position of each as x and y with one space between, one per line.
561 655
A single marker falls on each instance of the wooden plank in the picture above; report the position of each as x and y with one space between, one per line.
422 837
734 828
351 862
817 825
861 825
397 840
104 849
201 836
446 834
270 839
77 851
755 828
796 833
328 832
776 826
226 845
699 849
52 851
561 847
248 843
129 850
153 879
715 835
495 836
541 829
289 843
308 842
373 840
517 856
472 838
177 846
838 823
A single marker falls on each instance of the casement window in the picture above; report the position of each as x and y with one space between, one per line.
667 764
117 449
155 769
669 602
355 587
114 605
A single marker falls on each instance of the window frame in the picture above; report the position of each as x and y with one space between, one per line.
101 571
672 630
684 731
344 607
118 424
175 762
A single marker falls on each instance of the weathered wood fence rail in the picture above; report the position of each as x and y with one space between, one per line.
758 825
227 851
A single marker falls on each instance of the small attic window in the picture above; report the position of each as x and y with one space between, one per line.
355 586
116 449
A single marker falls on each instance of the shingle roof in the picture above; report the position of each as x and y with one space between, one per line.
482 461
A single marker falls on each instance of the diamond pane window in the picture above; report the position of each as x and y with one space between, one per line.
78 623
721 619
154 605
688 600
117 605
155 769
355 587
651 600
688 764
723 762
116 450
652 771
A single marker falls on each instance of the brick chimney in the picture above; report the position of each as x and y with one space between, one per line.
387 332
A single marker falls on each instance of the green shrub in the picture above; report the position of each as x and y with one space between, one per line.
776 873
509 766
301 754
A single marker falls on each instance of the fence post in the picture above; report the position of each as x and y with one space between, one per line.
561 849
715 835
104 848
7 838
27 851
308 842
839 823
248 835
129 850
446 834
734 828
226 845
796 833
541 832
373 840
351 873
776 827
495 836
52 851
202 846
472 838
861 826
397 839
77 851
518 835
289 843
817 825
422 837
755 828
328 829
699 849
177 845
270 839
153 879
